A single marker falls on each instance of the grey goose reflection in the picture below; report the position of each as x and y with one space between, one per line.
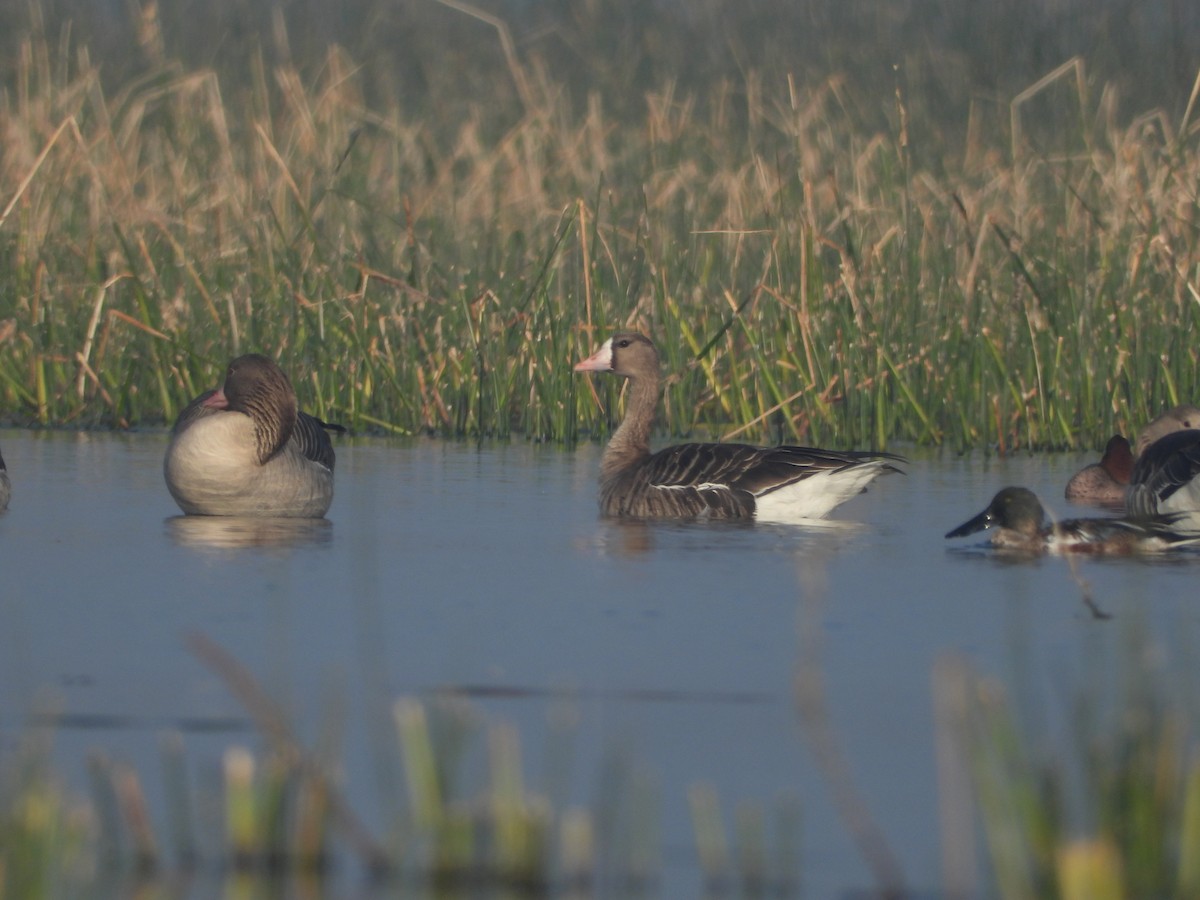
246 450
710 480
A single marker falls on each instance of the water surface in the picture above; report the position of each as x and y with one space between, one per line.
487 570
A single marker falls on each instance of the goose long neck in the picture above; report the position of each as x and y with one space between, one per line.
631 441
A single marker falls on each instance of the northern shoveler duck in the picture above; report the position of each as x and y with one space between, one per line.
1020 524
5 485
245 450
1107 481
718 481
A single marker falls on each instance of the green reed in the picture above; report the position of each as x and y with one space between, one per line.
1109 809
805 276
46 839
764 858
467 817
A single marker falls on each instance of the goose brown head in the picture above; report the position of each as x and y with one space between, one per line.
256 386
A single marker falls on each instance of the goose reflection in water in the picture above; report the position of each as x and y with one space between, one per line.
231 532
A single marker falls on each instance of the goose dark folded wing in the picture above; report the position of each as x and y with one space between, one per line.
695 465
1163 468
776 467
311 437
756 470
684 481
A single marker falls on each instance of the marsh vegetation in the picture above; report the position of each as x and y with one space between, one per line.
848 226
826 253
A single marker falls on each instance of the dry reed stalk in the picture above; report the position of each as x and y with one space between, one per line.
29 177
270 719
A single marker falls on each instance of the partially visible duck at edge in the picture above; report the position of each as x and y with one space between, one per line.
1164 478
246 450
1177 418
5 485
1106 482
708 480
1019 524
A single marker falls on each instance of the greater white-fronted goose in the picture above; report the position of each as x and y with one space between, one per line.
5 485
245 450
718 481
1106 482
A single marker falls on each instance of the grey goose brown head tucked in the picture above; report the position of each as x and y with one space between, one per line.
5 485
246 450
718 481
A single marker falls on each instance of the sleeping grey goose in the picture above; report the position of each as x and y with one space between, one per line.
718 481
245 449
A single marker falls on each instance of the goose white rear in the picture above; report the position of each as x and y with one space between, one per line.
819 494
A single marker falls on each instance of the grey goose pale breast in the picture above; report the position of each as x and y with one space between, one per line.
245 449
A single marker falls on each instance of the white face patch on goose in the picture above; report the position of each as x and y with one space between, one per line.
600 361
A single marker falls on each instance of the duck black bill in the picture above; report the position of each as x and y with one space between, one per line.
979 523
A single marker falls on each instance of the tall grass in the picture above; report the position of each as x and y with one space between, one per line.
806 276
1106 807
46 838
466 818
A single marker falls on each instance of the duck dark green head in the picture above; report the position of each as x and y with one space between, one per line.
1015 508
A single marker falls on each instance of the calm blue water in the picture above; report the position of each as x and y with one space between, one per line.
446 566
